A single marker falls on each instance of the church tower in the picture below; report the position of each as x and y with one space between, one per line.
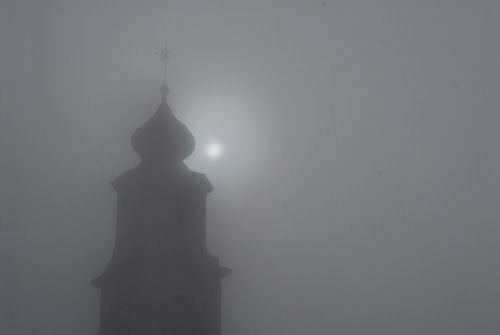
161 279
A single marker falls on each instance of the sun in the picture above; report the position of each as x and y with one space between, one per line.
214 150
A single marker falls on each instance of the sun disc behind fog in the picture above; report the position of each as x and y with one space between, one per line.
230 138
214 150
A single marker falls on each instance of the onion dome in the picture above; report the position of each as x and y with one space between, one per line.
163 138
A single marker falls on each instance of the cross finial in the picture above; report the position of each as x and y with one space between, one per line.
165 57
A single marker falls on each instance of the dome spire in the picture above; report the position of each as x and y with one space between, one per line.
165 57
163 139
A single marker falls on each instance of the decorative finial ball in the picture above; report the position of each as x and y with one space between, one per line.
164 90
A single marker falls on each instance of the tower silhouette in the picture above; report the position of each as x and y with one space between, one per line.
161 279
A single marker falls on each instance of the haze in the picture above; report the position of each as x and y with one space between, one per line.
358 191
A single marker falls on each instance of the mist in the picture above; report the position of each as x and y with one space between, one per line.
358 188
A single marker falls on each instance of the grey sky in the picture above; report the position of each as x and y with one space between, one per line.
361 191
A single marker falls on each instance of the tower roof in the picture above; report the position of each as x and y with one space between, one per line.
163 139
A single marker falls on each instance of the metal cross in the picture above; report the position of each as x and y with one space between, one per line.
165 57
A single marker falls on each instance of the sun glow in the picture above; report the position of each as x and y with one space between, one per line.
214 150
230 136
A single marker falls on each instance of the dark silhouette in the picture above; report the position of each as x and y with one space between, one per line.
161 278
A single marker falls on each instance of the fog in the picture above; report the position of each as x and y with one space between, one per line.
358 190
